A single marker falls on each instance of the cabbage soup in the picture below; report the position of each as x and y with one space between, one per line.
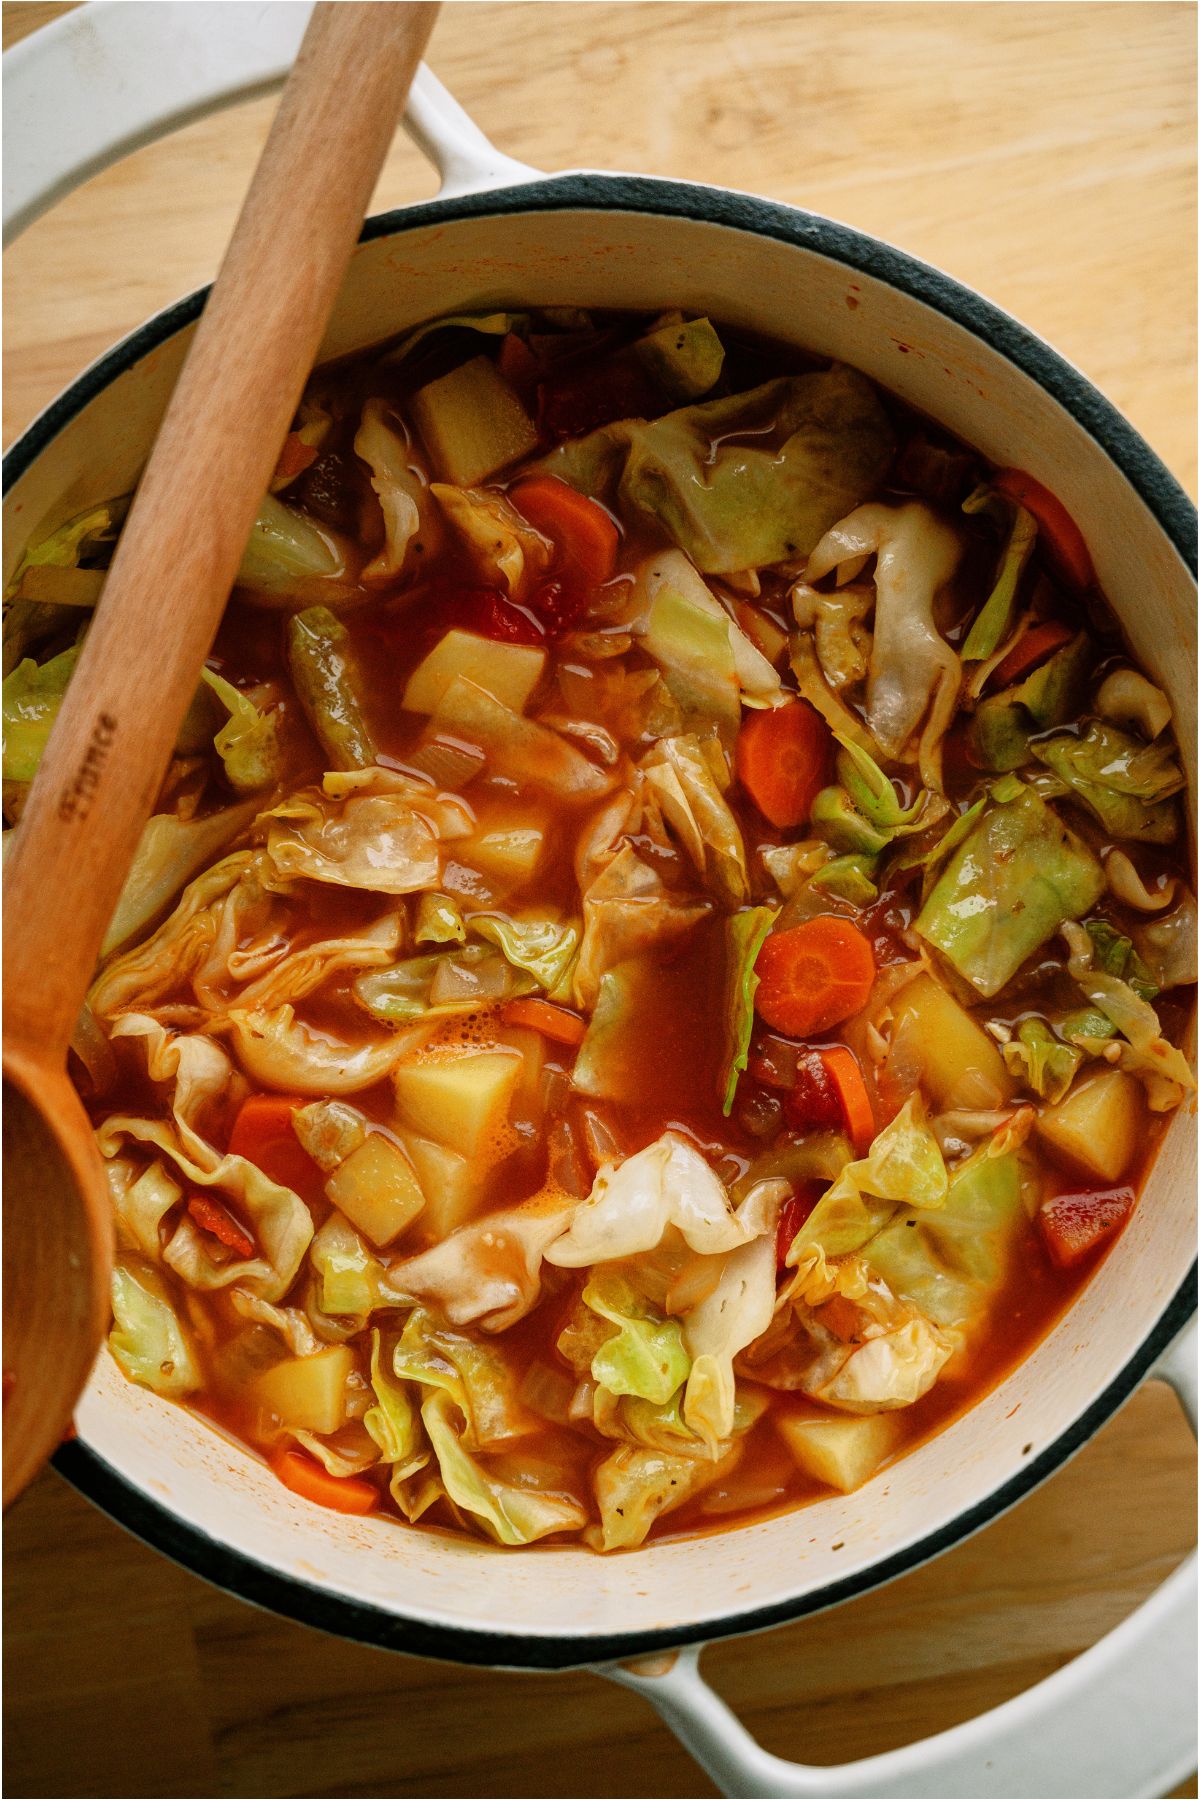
659 961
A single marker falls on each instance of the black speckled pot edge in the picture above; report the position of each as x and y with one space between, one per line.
294 1598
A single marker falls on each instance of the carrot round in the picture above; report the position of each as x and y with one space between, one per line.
263 1134
784 759
220 1223
1061 535
342 1493
1035 647
294 458
813 976
841 1066
554 1022
585 535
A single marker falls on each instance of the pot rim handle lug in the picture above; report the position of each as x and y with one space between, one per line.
1118 1720
107 78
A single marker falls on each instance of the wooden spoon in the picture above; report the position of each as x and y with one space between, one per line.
162 601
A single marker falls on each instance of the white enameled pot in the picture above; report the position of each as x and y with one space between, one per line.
1118 1721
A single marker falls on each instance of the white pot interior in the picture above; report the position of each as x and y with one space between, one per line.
638 260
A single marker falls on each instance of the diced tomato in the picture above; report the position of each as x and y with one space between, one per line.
814 1104
1035 648
263 1134
773 1062
1073 1225
220 1223
557 605
792 1214
519 367
583 533
586 396
341 1493
1060 535
490 614
959 765
824 1087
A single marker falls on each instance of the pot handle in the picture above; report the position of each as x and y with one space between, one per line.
108 77
1119 1720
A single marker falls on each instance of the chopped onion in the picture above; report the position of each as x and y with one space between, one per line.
1126 883
1130 699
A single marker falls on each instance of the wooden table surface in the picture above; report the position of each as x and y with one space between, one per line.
1042 153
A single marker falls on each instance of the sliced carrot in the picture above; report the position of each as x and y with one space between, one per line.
813 976
294 458
212 1217
1037 646
841 1065
554 1022
342 1493
263 1134
1061 535
1073 1225
784 759
585 535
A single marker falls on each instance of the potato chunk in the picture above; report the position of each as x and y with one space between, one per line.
455 1187
508 671
843 1453
472 423
308 1393
457 1095
960 1065
1098 1126
509 854
377 1189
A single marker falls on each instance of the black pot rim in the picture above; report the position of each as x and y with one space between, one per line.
297 1599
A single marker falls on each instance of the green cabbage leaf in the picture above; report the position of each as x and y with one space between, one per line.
1007 889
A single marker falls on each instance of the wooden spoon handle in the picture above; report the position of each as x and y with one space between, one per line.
187 529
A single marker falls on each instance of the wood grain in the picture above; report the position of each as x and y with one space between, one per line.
126 1676
1045 155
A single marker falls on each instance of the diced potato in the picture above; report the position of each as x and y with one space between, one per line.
377 1189
454 1186
308 1393
843 1453
526 1104
457 1095
472 423
1099 1125
529 754
960 1064
509 671
509 854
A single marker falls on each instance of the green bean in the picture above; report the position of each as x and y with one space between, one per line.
326 684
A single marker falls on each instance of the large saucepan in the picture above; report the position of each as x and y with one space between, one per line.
1119 1720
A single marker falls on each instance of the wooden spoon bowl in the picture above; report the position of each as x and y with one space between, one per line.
163 597
57 1262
